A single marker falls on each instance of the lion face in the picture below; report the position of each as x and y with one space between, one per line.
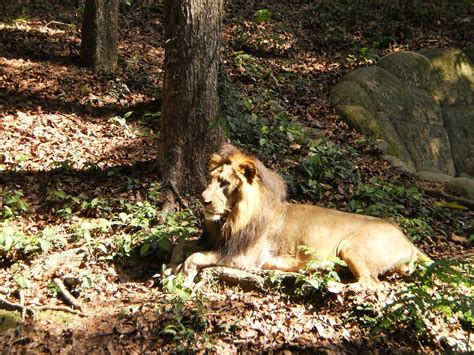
223 191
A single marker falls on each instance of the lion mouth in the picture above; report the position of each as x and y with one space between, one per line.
213 215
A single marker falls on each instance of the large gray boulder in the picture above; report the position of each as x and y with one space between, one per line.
421 104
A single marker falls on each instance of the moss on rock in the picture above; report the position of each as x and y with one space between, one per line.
410 67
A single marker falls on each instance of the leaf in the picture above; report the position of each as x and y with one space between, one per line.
8 242
164 244
145 249
102 248
123 217
44 245
452 205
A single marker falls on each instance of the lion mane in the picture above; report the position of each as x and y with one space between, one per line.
248 224
237 232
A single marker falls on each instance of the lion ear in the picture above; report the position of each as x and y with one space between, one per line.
249 170
214 161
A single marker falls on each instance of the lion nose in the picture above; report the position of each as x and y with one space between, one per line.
205 201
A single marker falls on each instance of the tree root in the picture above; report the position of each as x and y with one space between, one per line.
11 306
258 280
60 309
21 294
66 295
24 310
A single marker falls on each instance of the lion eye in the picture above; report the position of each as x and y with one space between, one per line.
224 183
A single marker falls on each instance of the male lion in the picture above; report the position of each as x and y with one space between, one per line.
249 224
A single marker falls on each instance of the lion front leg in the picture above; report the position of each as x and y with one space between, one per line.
196 262
180 252
284 263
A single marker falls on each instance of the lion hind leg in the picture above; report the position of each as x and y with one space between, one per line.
360 267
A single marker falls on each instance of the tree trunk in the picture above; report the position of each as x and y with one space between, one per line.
189 128
99 35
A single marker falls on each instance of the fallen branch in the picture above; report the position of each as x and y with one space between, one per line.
22 303
66 295
11 306
60 309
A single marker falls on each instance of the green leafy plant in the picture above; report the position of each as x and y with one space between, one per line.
178 225
14 244
183 317
86 231
12 203
440 293
382 198
68 204
262 15
319 274
326 165
415 228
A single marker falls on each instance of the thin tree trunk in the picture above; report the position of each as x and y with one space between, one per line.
189 128
99 35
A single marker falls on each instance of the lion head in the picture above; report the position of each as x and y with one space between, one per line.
240 196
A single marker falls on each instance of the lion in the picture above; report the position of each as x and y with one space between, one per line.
248 224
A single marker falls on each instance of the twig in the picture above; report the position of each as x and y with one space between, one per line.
56 23
60 309
10 306
21 294
66 295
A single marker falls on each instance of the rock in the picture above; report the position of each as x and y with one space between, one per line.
407 116
433 176
398 164
313 133
410 67
459 122
461 186
351 93
382 145
420 104
451 81
359 118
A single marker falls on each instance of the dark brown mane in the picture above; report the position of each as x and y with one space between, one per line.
231 243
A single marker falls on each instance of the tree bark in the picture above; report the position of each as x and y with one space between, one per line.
189 129
100 35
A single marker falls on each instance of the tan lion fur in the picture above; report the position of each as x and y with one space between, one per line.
250 225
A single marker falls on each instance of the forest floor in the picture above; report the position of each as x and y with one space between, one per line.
80 200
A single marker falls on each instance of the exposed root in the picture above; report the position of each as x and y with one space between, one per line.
66 295
11 306
22 304
60 309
